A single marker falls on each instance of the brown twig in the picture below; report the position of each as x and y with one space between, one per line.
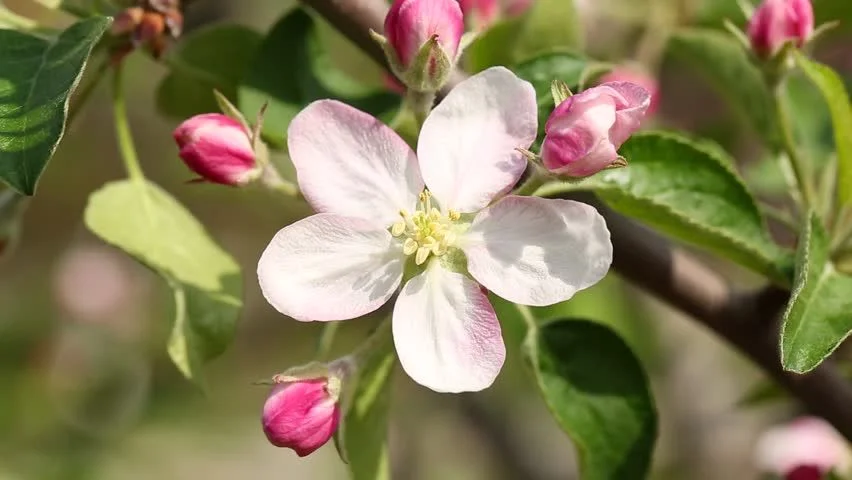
746 320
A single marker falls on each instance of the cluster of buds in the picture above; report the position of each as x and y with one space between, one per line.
303 410
779 23
421 41
807 448
150 24
585 131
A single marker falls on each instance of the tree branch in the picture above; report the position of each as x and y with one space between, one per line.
748 320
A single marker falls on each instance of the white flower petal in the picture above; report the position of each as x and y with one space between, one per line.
537 251
329 267
351 164
446 333
467 144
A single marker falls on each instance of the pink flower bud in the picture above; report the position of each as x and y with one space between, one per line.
639 77
302 414
218 148
410 24
806 448
480 13
584 132
779 21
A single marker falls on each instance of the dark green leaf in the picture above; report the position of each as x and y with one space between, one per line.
724 62
819 315
833 91
38 77
599 394
147 223
364 429
291 70
691 192
212 58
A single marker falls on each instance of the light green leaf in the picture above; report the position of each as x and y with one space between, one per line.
727 66
598 392
364 430
147 223
689 191
819 315
37 77
549 25
833 91
291 70
211 58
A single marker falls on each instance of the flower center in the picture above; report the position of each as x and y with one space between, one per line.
427 231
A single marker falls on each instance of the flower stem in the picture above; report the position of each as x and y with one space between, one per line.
273 180
536 179
528 316
797 163
122 127
326 340
420 103
380 336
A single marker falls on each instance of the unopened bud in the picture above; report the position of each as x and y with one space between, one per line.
303 411
421 41
777 22
806 448
218 148
584 133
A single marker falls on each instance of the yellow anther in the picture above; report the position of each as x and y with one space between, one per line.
453 215
398 228
422 255
409 246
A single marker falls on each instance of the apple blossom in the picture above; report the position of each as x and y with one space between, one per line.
480 13
584 132
779 21
218 148
806 448
438 219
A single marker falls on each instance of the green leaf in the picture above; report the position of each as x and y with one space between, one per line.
364 429
548 25
542 70
38 77
147 223
833 91
599 394
494 46
819 315
689 191
728 67
291 70
211 58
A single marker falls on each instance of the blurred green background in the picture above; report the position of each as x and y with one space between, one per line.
87 391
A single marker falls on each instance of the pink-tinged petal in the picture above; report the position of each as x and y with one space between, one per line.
410 23
589 154
537 251
805 442
631 104
300 415
446 333
778 21
638 77
467 146
351 164
328 267
480 13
